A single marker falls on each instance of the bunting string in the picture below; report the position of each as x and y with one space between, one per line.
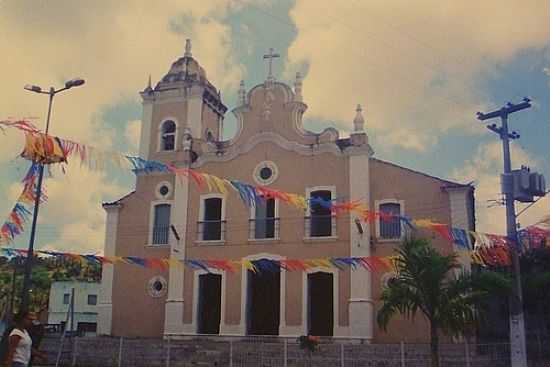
486 249
21 212
370 263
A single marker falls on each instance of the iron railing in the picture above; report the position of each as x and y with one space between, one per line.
160 235
320 226
391 229
264 228
211 230
241 351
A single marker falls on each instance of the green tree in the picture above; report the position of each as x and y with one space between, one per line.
535 276
433 284
45 270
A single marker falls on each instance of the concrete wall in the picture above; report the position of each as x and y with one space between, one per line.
252 353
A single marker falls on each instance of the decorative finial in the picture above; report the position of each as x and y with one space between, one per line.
242 94
271 56
358 121
148 88
298 87
187 48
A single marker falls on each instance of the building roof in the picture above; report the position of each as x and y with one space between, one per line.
118 201
448 183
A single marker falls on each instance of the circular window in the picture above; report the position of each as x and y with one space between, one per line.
157 287
163 190
265 173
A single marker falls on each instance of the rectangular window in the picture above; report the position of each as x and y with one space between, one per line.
92 299
161 224
264 219
320 220
211 225
66 298
390 227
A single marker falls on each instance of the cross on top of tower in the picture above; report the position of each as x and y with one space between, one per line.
187 48
271 56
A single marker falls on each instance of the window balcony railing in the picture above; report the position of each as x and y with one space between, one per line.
320 226
211 230
391 230
160 235
264 228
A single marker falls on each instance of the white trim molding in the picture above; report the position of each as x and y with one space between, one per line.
460 208
377 204
360 306
256 175
244 291
202 199
159 195
307 229
146 126
105 301
194 322
175 303
337 330
234 150
159 134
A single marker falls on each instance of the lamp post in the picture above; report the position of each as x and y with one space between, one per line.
28 262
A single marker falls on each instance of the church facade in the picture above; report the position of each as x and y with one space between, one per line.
165 217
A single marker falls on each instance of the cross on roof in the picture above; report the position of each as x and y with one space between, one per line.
271 56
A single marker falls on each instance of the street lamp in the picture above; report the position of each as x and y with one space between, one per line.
28 262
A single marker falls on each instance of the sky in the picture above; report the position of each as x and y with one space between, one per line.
421 73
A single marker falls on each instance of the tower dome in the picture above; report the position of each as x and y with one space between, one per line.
185 71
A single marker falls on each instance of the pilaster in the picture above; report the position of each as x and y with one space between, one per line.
175 302
146 123
105 304
361 310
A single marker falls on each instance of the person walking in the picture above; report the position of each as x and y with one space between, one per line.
20 347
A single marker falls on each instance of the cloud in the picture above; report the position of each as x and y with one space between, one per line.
132 134
73 219
114 46
485 168
413 68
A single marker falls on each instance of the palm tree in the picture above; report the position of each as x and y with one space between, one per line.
428 281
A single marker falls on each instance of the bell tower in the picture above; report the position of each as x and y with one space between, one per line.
183 103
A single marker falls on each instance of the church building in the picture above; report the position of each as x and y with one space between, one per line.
168 217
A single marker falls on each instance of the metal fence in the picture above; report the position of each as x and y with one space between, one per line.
277 352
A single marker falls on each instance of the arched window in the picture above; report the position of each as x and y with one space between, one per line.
168 135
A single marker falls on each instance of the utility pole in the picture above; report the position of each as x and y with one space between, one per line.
30 252
517 325
14 278
72 311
